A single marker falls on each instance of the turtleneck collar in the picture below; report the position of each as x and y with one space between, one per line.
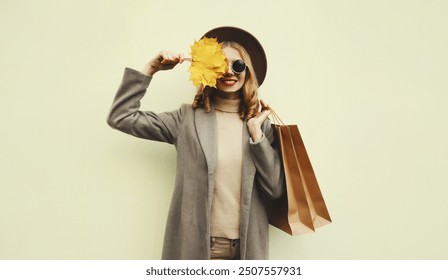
227 105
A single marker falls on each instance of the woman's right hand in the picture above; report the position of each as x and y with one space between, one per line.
165 60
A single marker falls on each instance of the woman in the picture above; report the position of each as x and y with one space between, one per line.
225 162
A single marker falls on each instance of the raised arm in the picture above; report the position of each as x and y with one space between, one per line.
125 114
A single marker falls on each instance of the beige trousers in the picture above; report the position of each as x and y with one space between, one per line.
224 249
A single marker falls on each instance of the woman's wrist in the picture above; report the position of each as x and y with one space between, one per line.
256 134
149 70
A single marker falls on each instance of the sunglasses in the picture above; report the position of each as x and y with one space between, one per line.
238 66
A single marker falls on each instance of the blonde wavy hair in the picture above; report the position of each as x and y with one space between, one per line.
249 105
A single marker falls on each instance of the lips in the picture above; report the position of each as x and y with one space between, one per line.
228 82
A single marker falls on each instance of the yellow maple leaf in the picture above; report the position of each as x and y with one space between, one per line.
208 62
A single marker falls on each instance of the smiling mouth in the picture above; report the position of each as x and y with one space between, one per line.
228 82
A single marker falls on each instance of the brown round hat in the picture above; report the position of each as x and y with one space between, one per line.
248 41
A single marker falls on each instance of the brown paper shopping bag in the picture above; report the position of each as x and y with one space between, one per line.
302 209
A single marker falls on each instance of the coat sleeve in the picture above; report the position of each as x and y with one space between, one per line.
270 174
125 115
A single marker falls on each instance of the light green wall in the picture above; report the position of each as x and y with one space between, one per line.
365 80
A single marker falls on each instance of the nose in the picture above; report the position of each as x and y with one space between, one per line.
229 67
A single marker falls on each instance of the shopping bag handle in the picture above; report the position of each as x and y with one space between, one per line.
275 118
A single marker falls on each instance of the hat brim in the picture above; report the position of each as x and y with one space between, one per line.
249 43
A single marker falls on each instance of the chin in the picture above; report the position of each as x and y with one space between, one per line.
228 90
231 89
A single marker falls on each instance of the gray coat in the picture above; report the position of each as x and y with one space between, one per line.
192 132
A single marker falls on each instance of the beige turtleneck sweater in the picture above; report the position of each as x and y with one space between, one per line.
225 212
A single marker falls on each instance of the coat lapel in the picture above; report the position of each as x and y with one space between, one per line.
207 134
248 169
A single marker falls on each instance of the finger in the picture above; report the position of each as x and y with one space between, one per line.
175 56
168 57
159 56
264 106
266 113
181 57
164 57
263 116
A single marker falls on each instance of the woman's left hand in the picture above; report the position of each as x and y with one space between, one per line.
254 124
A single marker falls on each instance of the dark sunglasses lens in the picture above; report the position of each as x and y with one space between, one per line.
238 66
